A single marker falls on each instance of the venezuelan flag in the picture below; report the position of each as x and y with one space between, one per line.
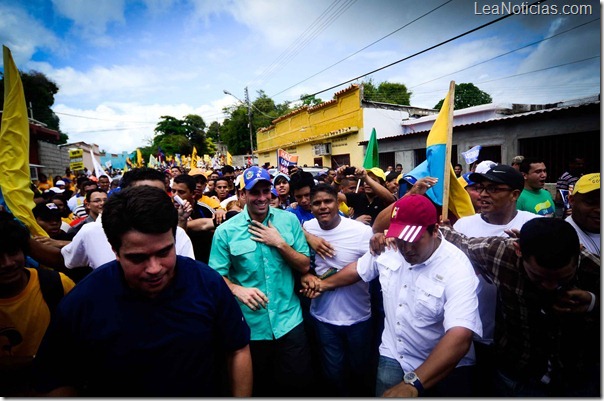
438 164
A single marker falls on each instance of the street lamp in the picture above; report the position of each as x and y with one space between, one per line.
249 116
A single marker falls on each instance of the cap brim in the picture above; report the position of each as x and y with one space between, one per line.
405 232
255 181
479 177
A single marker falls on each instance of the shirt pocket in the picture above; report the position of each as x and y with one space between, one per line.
243 254
387 268
428 298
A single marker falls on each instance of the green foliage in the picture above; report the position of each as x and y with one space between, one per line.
180 136
213 132
310 100
235 131
386 92
40 93
467 95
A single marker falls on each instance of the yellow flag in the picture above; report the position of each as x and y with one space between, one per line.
139 158
14 149
229 159
194 158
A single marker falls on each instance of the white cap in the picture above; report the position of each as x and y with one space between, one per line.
60 182
484 166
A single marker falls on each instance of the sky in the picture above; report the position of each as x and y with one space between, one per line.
122 64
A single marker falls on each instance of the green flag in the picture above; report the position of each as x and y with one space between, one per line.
371 156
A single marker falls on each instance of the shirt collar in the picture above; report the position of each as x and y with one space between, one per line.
269 215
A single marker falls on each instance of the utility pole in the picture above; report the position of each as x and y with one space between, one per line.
249 119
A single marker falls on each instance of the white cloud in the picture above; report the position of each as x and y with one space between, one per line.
23 34
125 126
91 18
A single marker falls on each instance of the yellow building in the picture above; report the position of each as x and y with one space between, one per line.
329 134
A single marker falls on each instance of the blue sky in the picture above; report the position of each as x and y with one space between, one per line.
121 64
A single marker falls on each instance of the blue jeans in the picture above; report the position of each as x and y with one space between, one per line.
389 374
459 383
345 356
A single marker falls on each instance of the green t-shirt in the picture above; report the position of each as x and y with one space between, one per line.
253 264
539 202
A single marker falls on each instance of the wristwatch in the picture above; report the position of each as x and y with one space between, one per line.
412 379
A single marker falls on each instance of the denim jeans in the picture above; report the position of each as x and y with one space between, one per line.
389 374
345 356
459 383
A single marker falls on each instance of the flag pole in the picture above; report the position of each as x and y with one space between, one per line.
445 209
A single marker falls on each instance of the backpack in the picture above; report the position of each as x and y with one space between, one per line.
51 287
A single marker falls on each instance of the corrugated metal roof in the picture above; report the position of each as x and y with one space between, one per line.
502 118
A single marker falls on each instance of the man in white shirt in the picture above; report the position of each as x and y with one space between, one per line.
342 317
90 246
430 304
585 211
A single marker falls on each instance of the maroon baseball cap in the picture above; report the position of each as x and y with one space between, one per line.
411 215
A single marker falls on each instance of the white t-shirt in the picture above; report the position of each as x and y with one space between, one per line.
423 301
475 226
90 246
591 241
350 304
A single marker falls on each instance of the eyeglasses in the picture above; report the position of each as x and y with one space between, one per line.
491 189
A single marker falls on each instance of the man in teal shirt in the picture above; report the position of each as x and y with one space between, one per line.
255 252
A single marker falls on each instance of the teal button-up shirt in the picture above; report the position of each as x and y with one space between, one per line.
253 264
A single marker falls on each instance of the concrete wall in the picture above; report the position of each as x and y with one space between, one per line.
53 158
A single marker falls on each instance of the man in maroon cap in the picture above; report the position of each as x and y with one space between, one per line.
430 304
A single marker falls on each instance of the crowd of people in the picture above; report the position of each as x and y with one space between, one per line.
236 282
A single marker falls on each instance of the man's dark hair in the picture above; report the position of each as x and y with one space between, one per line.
525 165
301 179
328 189
200 179
81 180
552 242
228 169
221 179
178 168
91 191
458 165
189 181
398 165
392 176
88 183
13 235
143 208
278 179
141 174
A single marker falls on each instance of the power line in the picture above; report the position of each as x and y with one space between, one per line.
425 50
306 37
103 119
505 54
364 48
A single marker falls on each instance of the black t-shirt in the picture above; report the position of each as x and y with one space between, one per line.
201 240
361 205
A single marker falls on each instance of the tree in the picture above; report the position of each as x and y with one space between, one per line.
386 92
467 95
179 136
310 100
40 93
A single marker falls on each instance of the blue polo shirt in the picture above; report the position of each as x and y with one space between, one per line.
252 264
113 341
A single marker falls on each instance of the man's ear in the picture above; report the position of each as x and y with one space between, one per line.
517 249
